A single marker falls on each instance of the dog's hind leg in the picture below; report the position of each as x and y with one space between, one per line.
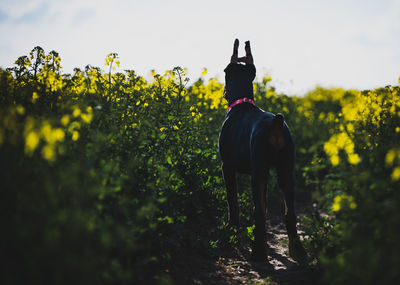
286 183
231 194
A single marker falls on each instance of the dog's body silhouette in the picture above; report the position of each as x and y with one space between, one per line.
252 141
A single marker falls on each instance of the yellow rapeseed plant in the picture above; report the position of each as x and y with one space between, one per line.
32 140
343 198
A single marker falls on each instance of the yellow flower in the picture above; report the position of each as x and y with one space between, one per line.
396 173
76 112
335 160
336 207
354 158
74 125
176 127
58 134
75 135
48 152
35 96
342 140
45 131
65 120
87 118
20 110
350 127
390 156
330 148
336 203
31 142
162 129
343 198
266 79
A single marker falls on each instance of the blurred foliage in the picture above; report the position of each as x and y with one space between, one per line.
106 176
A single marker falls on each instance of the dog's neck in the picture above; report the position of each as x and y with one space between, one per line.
232 101
240 101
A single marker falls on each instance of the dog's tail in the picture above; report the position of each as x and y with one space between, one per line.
277 137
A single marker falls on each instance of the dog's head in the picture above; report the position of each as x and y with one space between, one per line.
239 75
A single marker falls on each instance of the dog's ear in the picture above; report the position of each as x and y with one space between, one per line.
248 59
234 57
249 56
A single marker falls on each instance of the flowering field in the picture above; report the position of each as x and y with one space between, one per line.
106 177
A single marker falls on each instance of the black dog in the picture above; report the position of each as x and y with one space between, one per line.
253 141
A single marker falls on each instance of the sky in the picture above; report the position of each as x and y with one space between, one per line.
300 44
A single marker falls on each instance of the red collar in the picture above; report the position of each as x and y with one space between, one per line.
239 101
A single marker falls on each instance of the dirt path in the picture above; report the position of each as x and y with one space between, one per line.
236 268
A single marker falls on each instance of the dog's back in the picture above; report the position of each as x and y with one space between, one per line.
248 130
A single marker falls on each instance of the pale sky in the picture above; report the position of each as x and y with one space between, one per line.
300 43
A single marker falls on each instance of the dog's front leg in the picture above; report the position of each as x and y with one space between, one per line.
231 194
259 184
